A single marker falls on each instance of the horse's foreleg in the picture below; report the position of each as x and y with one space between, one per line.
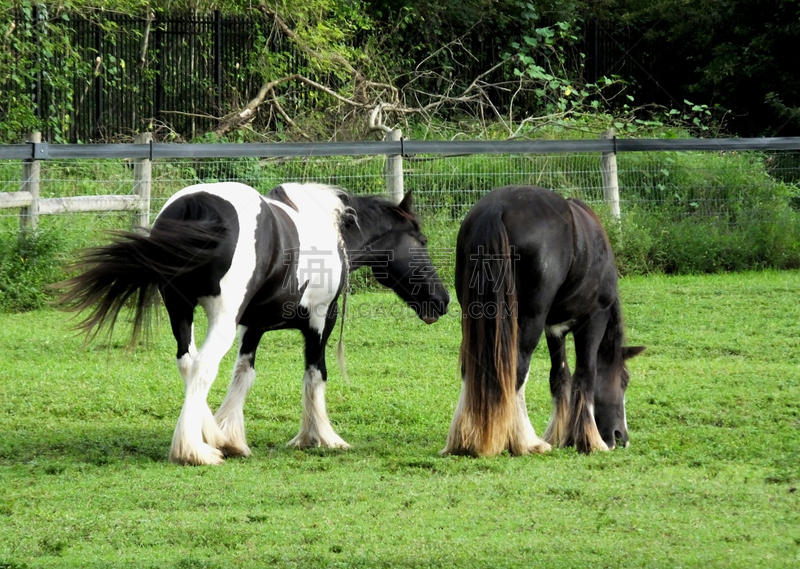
560 386
581 427
197 437
315 427
230 415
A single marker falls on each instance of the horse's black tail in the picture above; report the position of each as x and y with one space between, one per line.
485 422
132 268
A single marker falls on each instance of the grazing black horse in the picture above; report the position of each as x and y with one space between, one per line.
529 261
257 263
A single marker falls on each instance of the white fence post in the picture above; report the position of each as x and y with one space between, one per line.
142 176
29 215
608 167
394 169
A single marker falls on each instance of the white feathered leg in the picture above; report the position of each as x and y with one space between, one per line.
315 427
230 415
197 435
525 441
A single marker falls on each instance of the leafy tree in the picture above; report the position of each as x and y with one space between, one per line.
739 55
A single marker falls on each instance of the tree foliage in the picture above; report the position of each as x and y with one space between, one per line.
514 63
740 56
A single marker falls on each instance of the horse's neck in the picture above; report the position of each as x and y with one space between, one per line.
362 233
357 241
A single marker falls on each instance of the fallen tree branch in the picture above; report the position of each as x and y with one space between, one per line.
426 90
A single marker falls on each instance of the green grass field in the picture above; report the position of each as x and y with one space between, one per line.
709 480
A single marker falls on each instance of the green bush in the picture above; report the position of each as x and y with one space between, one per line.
711 184
28 263
704 213
650 242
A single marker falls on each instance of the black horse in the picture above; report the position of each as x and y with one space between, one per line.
529 261
257 263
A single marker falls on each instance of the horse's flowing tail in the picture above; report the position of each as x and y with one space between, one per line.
133 268
485 421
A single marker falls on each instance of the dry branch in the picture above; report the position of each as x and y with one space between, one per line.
378 100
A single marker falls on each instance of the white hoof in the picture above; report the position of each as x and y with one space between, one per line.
232 429
541 447
304 440
201 455
231 450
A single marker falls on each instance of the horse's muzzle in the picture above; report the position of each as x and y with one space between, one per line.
431 310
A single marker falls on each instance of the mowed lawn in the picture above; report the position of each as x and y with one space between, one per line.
709 480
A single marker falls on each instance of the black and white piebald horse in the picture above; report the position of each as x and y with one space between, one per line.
257 263
529 261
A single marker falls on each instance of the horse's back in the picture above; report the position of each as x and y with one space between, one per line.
520 206
537 222
561 256
236 213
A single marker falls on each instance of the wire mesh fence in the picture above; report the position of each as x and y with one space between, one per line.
729 210
445 187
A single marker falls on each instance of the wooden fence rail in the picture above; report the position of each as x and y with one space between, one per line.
76 204
32 206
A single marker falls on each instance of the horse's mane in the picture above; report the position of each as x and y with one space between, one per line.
312 199
585 207
369 209
354 209
614 337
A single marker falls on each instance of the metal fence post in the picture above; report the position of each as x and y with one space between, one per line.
608 168
218 58
29 215
394 169
142 177
158 96
99 89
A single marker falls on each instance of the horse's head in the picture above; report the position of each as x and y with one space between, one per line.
609 394
387 238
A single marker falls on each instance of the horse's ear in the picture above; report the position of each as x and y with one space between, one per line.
407 202
630 351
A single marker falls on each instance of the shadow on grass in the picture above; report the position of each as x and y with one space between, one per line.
54 450
81 445
73 444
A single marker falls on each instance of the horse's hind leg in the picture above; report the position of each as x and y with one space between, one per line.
523 439
197 437
581 428
560 386
230 415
